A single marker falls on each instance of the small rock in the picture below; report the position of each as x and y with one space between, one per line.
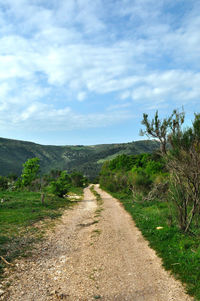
1 292
62 296
54 292
159 228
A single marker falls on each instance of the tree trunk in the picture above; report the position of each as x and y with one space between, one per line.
42 198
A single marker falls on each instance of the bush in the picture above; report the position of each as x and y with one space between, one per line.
131 173
141 181
153 167
30 171
61 186
3 183
77 179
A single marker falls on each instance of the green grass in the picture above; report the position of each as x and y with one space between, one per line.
97 195
76 190
20 213
180 252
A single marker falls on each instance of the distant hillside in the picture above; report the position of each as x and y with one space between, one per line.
87 159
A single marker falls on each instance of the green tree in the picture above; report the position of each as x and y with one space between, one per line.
30 171
122 162
3 183
60 187
77 179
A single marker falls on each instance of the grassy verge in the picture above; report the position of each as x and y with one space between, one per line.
76 190
20 214
97 195
97 211
180 252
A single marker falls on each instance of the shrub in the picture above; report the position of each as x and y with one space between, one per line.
142 181
153 167
30 171
61 186
128 173
77 179
184 164
3 183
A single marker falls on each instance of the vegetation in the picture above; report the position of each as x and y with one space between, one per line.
85 159
3 183
184 164
97 196
162 192
180 252
132 173
29 199
30 172
77 179
61 185
162 129
20 211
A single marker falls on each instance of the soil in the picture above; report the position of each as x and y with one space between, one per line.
95 252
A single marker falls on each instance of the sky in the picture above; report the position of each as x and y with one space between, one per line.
85 71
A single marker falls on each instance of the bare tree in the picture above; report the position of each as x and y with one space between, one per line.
162 129
183 162
184 165
185 186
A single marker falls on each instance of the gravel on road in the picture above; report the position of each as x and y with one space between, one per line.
95 252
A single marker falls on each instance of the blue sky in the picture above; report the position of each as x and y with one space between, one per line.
84 71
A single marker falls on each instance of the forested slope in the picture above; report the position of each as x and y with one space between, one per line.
87 159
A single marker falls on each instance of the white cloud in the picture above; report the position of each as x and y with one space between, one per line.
29 112
4 89
81 96
41 118
56 51
175 85
126 94
88 12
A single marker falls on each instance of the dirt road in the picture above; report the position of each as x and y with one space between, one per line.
95 252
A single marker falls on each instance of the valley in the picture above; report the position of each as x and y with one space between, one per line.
86 159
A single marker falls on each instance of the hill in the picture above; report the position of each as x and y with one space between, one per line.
87 159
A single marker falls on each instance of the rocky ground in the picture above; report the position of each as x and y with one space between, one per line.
95 252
